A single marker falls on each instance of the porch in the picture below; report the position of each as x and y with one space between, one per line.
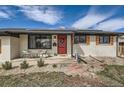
49 60
34 45
45 45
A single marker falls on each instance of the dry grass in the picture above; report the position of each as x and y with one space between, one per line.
113 75
53 79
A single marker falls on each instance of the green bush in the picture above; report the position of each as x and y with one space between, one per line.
24 65
7 65
40 62
55 54
54 66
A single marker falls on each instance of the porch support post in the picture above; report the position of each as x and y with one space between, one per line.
72 42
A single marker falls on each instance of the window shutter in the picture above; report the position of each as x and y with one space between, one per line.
0 45
87 39
72 38
111 40
97 39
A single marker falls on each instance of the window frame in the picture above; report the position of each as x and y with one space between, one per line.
41 38
79 38
103 39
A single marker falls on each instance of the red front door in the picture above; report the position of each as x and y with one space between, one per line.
62 44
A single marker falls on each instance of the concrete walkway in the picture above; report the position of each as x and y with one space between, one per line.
49 60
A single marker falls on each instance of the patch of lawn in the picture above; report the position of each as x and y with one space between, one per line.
45 79
33 79
114 73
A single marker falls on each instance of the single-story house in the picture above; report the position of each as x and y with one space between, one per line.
60 42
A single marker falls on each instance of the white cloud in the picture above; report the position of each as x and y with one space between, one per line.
5 12
62 27
93 17
4 15
45 14
111 25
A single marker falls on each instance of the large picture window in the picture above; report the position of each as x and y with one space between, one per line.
104 39
40 41
80 39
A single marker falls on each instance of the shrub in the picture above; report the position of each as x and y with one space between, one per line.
54 65
55 54
24 65
40 63
7 65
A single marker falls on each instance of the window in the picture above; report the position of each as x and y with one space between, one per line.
40 41
104 39
80 39
76 39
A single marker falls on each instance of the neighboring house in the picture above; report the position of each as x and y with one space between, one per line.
60 42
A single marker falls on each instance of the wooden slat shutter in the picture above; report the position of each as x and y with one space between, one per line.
0 46
97 39
87 39
111 40
72 39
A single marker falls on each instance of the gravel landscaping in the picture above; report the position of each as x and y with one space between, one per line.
65 72
53 79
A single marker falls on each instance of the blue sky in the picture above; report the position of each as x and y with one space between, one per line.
107 18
